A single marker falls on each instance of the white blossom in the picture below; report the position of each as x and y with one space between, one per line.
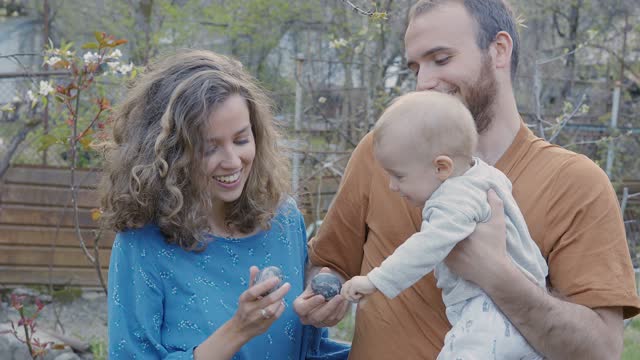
125 68
58 52
31 97
91 57
113 66
115 54
52 60
45 88
338 43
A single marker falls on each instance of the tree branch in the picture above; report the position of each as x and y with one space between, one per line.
15 143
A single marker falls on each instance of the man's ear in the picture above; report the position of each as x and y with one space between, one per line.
444 167
502 47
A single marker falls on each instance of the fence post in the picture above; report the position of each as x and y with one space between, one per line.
614 125
295 173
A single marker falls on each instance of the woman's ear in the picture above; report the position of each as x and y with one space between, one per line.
444 167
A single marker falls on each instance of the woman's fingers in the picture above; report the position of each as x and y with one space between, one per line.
257 291
272 310
274 297
253 273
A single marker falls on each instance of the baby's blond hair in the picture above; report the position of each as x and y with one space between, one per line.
438 124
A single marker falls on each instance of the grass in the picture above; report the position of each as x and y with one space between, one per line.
343 331
632 341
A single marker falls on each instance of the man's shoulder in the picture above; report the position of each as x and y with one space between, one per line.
546 158
560 172
364 149
568 164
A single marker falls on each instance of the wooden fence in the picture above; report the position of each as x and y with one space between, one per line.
38 244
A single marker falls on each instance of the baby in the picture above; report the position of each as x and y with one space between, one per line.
425 142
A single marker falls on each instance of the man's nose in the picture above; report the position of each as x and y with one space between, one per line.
426 81
393 186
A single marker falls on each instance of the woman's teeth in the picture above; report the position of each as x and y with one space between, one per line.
228 179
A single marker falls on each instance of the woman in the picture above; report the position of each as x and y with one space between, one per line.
196 188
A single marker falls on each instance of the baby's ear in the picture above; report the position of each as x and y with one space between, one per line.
444 167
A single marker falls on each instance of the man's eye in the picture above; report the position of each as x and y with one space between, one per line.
442 60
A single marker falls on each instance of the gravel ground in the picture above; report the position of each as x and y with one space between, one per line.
83 318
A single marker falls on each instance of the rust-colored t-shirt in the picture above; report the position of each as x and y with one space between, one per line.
568 203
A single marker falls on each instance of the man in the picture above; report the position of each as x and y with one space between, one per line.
470 49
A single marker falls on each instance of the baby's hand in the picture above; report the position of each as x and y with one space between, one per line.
354 289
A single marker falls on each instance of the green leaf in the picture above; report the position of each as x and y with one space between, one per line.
91 45
85 141
67 46
46 141
8 108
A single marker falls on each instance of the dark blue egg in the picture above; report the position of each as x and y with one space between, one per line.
268 273
326 284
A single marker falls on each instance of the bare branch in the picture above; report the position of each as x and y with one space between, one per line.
15 143
357 9
567 118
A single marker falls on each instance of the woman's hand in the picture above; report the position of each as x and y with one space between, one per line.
254 316
256 312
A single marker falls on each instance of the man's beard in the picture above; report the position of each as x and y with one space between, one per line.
481 95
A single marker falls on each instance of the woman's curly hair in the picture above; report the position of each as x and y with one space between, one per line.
154 172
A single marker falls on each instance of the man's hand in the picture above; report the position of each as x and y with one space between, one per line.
478 257
359 286
315 310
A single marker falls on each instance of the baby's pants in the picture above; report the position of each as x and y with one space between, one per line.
481 332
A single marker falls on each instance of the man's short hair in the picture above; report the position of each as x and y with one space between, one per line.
491 16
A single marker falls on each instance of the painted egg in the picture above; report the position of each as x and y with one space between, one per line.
326 284
266 274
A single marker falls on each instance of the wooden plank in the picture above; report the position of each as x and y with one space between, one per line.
633 185
35 215
48 196
46 236
50 176
21 275
43 256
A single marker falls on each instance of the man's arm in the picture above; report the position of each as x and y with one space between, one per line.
339 243
556 328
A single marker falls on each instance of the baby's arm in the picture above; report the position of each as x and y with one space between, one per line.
443 226
354 289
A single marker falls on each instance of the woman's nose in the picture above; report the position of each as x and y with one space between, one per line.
231 159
